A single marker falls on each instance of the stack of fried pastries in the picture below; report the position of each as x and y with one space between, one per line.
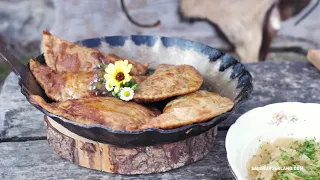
69 68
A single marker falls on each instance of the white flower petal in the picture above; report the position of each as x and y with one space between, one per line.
109 87
126 93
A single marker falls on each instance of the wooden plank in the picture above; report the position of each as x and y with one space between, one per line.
17 117
275 82
35 160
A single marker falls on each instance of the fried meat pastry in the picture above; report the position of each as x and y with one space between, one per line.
108 111
168 81
163 67
64 56
139 79
62 86
66 85
195 107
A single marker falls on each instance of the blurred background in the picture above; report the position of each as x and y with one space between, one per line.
250 30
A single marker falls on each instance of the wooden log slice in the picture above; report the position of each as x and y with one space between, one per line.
136 160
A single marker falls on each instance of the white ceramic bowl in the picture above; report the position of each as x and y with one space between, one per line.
289 119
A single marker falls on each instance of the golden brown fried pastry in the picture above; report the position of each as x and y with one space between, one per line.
195 107
139 79
64 56
62 86
108 111
66 85
163 67
168 81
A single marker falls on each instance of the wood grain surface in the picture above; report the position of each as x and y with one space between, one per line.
135 160
34 160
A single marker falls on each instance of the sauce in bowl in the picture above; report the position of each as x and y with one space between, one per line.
287 159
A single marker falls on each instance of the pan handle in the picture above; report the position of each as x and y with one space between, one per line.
15 65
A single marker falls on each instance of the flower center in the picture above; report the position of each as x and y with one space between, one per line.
120 76
126 93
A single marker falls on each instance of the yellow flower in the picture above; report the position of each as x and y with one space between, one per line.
118 73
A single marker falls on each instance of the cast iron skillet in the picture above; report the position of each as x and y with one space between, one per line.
222 74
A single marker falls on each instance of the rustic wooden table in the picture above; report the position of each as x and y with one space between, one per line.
25 153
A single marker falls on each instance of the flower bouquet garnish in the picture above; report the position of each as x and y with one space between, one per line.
114 80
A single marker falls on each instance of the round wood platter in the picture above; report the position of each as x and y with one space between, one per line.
137 160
